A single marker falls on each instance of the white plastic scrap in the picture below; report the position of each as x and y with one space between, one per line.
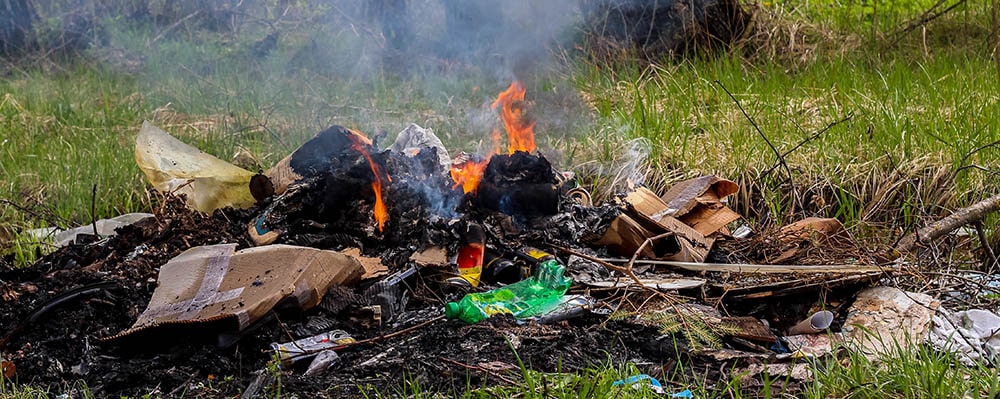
414 138
972 335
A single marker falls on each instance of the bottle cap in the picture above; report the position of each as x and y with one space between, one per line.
451 310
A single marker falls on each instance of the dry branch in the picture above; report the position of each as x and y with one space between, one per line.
626 270
928 16
935 230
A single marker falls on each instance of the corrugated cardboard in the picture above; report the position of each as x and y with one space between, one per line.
644 218
625 236
214 282
698 203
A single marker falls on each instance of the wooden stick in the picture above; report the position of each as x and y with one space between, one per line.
949 223
394 334
626 270
985 243
924 18
763 269
170 28
753 123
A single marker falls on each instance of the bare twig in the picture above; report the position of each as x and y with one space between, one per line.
979 168
986 244
761 269
781 158
626 270
962 165
649 241
814 136
171 27
46 215
923 19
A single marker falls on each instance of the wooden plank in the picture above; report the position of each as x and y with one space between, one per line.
762 269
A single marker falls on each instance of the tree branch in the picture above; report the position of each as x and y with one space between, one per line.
935 230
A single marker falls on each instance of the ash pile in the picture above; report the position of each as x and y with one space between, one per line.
350 268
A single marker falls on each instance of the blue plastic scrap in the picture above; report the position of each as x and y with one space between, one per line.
636 381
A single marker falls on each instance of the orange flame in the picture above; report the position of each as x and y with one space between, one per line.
468 173
520 129
381 212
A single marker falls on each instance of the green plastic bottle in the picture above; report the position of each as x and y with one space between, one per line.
532 296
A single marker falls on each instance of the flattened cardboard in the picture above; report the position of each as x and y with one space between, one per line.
698 203
686 195
431 257
708 219
648 209
214 282
373 266
645 201
625 236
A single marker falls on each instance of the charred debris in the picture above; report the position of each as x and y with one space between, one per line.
336 266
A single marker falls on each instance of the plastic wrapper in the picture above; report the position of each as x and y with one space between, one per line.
208 182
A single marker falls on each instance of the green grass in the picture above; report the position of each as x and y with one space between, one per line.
923 115
921 373
916 114
910 111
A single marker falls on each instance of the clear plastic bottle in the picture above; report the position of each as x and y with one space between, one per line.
529 297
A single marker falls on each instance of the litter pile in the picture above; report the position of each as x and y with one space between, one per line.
348 267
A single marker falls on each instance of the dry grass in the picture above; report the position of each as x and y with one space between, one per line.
788 37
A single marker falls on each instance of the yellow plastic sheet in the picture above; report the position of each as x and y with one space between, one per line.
171 165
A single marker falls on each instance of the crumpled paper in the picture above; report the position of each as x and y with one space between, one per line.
972 335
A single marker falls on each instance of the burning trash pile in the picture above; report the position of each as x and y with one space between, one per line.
349 265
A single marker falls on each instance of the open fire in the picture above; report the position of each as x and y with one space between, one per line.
468 172
381 213
520 128
513 208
